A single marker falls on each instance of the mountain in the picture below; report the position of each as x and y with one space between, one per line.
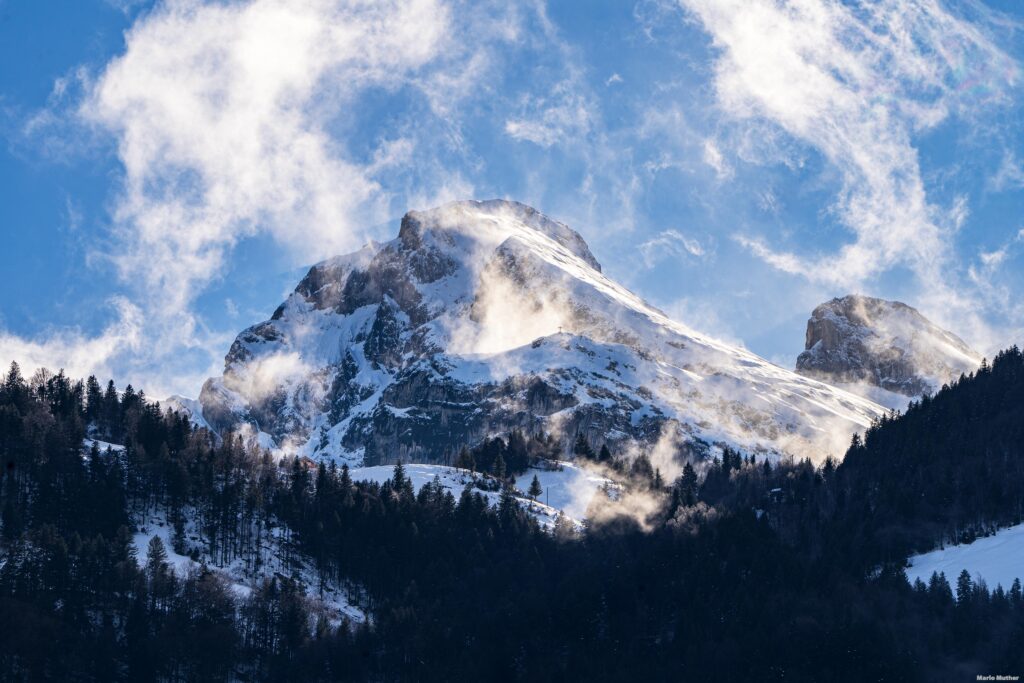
887 344
484 317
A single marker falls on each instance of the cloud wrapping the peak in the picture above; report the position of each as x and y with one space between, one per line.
239 119
221 113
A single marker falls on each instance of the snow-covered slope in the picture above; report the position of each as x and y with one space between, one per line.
997 559
186 406
884 344
274 555
482 317
568 488
334 599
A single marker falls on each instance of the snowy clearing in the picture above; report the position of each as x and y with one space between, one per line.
996 559
569 489
102 445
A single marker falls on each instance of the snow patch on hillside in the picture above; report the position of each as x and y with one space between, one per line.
102 445
997 559
568 490
336 600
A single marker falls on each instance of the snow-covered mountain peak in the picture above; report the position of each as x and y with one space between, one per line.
473 225
885 344
482 317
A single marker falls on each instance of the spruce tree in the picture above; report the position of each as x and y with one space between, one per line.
535 488
964 588
465 460
688 485
498 470
582 447
156 556
93 401
400 482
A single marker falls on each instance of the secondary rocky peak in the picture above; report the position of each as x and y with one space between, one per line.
888 344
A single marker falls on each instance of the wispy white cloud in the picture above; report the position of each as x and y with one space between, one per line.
77 352
231 120
564 117
671 243
221 114
1009 175
713 158
855 82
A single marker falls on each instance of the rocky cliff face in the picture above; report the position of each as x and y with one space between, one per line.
482 317
859 339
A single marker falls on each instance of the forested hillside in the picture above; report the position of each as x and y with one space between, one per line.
740 570
948 470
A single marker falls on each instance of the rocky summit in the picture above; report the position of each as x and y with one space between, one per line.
886 344
485 317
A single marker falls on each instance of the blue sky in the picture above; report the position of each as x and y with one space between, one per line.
169 169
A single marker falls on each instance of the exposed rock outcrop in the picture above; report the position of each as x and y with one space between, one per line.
882 343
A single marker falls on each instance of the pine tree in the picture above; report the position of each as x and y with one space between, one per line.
939 590
564 529
93 400
517 452
156 556
498 470
604 455
13 380
688 485
642 470
111 414
507 502
465 460
345 488
535 488
964 588
582 447
400 482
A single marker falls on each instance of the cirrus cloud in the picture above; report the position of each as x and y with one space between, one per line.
856 82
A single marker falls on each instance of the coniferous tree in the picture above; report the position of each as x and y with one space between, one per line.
535 488
156 556
582 448
498 469
465 460
688 485
93 401
964 588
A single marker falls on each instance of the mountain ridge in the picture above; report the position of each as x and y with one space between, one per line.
484 317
